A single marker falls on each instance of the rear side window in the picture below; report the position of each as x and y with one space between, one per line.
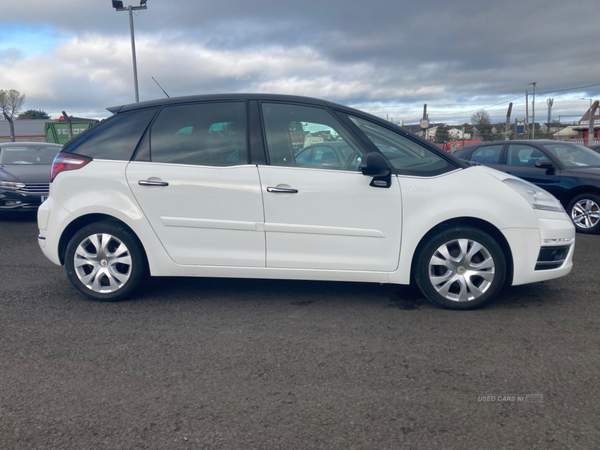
114 139
487 155
206 134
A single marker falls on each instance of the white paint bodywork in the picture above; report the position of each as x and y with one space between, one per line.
335 228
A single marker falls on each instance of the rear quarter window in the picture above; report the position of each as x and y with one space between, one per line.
114 139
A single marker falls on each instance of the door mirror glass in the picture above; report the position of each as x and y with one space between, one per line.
544 164
376 166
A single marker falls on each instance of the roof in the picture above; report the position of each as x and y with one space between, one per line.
567 131
24 127
216 97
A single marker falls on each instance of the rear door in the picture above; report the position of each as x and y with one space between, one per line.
192 179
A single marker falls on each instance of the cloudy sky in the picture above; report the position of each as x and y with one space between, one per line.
385 57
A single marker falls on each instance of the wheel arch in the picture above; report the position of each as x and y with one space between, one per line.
483 225
578 191
85 220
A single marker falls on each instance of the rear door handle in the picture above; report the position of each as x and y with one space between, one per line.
152 183
280 190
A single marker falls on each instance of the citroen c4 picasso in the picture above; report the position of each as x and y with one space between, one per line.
212 186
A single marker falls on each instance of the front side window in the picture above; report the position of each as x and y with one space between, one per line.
207 134
114 139
523 155
301 136
404 154
487 155
28 154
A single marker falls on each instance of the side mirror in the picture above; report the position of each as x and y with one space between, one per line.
376 166
544 164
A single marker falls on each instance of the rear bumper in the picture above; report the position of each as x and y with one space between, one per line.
52 221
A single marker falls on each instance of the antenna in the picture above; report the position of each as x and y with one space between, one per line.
160 87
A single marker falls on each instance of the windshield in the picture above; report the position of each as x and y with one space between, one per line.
28 154
573 155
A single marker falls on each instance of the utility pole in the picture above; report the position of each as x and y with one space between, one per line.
425 121
507 132
533 109
69 125
118 5
527 112
593 109
549 102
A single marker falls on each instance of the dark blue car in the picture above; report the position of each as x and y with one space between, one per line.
568 171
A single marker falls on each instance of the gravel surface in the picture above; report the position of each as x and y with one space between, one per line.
258 364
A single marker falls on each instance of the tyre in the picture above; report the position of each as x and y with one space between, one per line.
460 268
585 212
105 261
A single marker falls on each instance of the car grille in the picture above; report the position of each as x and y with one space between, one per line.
35 188
552 257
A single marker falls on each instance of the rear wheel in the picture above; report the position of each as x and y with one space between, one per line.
105 261
460 268
585 212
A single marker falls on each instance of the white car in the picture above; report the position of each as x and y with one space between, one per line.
209 186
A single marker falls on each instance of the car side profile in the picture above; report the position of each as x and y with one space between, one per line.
215 186
568 171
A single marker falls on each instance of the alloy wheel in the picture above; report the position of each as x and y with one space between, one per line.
102 263
585 213
461 270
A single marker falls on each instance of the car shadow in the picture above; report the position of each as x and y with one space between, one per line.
22 216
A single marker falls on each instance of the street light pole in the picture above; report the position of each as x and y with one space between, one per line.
135 77
118 5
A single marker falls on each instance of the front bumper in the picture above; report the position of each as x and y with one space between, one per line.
532 249
19 201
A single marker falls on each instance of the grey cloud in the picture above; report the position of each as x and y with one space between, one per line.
401 52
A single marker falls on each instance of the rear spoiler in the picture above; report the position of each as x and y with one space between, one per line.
115 109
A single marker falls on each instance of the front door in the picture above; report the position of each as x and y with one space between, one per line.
322 213
520 162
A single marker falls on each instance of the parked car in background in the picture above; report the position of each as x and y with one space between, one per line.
25 174
568 171
211 186
596 148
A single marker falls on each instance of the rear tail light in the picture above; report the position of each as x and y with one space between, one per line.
67 161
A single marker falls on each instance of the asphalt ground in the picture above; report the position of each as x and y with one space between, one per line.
259 364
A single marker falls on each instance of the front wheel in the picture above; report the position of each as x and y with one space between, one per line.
460 268
585 212
105 261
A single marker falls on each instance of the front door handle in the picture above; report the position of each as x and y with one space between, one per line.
281 190
152 183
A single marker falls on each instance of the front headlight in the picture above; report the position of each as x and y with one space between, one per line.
537 197
11 185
